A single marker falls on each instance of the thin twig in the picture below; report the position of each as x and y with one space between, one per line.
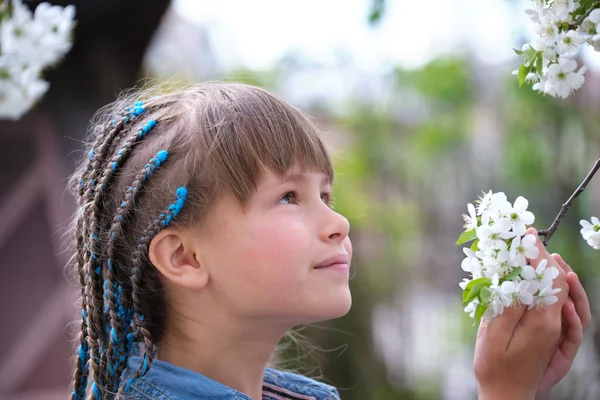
547 233
579 20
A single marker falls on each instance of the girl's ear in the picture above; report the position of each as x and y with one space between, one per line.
172 252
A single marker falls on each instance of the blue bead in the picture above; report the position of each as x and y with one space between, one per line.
96 391
162 155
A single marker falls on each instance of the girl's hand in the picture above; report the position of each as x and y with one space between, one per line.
513 352
577 316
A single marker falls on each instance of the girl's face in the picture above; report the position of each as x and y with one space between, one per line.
268 260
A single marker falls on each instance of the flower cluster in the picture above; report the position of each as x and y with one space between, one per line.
498 259
591 232
29 43
562 26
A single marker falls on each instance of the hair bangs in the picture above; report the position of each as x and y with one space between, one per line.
266 134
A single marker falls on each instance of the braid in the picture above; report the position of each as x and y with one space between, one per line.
120 317
102 289
92 266
98 290
96 155
157 225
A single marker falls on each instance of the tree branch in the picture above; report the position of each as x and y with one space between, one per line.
579 20
547 233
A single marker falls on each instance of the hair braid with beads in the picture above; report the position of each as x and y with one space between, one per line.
121 339
96 156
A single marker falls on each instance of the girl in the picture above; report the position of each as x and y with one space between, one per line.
205 233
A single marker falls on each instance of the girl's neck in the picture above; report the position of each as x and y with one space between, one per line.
227 352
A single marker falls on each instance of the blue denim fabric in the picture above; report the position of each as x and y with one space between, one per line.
165 381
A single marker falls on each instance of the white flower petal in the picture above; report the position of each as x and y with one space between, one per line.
527 217
528 273
521 204
551 273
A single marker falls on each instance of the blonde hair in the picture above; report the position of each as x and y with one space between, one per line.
164 161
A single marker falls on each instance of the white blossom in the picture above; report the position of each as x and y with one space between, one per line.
569 42
502 247
472 307
563 79
471 219
499 299
541 275
545 297
29 43
591 232
589 228
518 292
472 263
562 9
523 248
559 33
520 217
492 236
594 240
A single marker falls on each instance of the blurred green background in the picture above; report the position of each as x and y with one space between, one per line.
416 134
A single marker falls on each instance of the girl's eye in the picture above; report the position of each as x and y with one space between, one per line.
327 198
288 198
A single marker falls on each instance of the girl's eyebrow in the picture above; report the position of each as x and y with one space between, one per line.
302 177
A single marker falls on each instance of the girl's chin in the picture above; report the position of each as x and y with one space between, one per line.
336 308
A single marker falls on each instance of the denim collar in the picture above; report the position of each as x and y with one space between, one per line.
165 381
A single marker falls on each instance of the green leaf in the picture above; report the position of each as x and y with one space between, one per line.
523 71
473 289
480 311
475 245
377 10
539 63
530 54
466 236
519 52
485 295
514 274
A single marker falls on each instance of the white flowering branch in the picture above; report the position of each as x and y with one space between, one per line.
29 44
547 233
497 261
562 27
579 20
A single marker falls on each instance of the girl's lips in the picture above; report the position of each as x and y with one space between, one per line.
338 262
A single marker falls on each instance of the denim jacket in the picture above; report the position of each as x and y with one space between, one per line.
165 381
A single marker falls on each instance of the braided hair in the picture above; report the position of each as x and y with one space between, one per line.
155 164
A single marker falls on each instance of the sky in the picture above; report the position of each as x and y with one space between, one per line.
257 33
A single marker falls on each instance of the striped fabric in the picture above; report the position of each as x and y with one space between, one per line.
273 392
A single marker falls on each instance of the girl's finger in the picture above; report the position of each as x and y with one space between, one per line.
580 299
562 262
499 332
573 335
